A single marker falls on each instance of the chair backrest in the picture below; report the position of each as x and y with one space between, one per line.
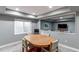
24 42
55 44
36 31
45 33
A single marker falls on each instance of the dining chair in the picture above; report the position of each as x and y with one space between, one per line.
54 46
25 45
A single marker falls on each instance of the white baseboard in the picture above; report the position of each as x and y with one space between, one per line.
68 48
9 44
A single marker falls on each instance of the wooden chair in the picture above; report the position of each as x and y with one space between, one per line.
25 45
52 48
55 46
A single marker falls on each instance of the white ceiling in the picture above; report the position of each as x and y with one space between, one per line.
34 9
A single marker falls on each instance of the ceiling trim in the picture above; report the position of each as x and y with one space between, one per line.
53 13
60 15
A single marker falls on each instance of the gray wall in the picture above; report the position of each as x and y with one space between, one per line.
71 26
77 23
7 30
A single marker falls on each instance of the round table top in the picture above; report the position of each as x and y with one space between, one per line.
39 40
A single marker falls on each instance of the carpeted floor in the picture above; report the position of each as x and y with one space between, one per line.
14 48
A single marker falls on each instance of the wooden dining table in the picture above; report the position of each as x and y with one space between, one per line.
39 40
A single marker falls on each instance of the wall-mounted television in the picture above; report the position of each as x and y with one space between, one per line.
62 26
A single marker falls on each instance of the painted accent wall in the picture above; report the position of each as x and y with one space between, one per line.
54 25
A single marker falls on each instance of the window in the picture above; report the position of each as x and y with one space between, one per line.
18 27
21 27
27 27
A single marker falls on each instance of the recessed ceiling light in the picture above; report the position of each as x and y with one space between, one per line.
50 6
17 9
33 13
61 17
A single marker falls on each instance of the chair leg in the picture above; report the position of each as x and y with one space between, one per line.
22 49
57 49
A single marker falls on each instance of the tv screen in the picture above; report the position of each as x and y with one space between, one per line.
62 25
